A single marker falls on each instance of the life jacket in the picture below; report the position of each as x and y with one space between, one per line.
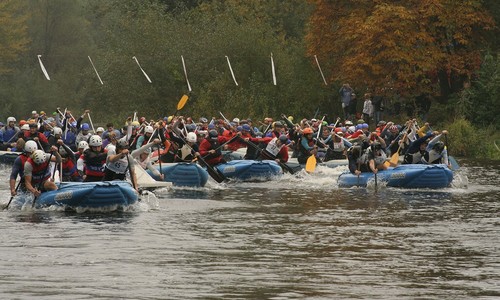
303 152
210 144
413 158
40 172
28 136
432 157
272 149
9 132
184 153
69 169
94 166
379 159
119 167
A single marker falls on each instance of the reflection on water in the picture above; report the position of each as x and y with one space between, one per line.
295 238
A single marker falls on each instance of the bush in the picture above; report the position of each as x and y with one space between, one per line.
466 140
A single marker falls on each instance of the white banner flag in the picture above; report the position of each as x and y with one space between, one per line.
185 73
43 68
147 77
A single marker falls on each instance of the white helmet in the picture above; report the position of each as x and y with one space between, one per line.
25 127
30 146
38 157
99 129
191 137
122 143
57 131
95 141
148 129
83 145
11 119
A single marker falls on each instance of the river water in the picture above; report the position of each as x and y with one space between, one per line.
293 238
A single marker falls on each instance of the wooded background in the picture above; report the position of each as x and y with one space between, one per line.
446 49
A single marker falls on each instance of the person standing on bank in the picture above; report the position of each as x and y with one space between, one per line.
345 97
378 106
367 108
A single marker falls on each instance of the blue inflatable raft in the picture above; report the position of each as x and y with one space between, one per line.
183 174
84 195
404 176
7 157
246 170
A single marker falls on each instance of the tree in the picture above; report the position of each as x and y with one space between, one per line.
405 47
13 33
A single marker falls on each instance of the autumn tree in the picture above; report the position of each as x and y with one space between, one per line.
405 47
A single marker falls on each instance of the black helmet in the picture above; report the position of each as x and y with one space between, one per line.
376 146
213 133
439 146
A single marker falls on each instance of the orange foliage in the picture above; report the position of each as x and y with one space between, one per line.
398 45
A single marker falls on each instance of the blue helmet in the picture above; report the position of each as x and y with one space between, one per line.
283 139
85 126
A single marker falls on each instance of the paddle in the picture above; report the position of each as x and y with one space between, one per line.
214 173
311 161
41 181
55 166
284 166
225 119
159 159
181 103
376 182
132 177
311 164
395 157
91 124
452 163
12 197
229 141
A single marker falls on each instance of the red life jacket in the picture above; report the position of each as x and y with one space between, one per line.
69 169
94 166
40 172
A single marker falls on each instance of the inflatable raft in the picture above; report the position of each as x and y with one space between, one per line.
84 195
404 176
7 157
250 170
182 174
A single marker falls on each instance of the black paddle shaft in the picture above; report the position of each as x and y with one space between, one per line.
284 166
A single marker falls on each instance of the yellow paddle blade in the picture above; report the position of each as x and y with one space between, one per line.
182 102
311 164
395 159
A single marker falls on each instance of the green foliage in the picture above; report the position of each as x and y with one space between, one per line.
13 33
484 106
467 140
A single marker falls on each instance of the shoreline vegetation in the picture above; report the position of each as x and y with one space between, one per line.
259 59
